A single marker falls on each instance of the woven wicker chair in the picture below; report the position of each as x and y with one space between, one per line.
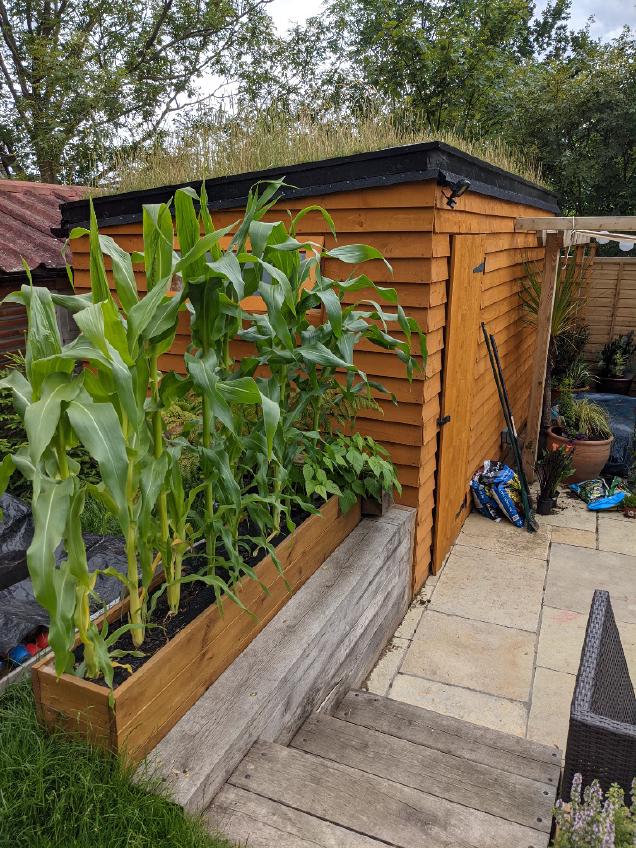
602 735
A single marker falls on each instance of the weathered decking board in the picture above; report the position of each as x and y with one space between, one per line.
379 772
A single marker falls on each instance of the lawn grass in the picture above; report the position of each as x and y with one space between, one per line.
57 792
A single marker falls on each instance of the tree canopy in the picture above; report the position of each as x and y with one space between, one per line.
78 76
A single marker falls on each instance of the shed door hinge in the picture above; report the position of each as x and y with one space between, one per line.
444 420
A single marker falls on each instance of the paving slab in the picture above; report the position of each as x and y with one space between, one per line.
420 602
570 512
617 536
502 537
476 707
561 640
572 536
456 650
380 679
496 588
550 709
575 573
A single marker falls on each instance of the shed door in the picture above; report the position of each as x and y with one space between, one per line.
452 501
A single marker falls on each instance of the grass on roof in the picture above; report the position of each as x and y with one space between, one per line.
224 146
56 792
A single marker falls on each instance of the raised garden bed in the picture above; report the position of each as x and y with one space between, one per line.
143 708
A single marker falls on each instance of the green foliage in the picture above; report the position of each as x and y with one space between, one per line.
616 355
582 418
565 330
208 455
77 78
630 501
568 351
592 820
349 466
55 790
552 468
12 434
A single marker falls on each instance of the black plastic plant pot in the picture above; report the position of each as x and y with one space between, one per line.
545 505
372 506
616 385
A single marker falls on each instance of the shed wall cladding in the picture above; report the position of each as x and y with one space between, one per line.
412 226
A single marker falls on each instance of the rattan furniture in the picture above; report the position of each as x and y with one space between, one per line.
602 734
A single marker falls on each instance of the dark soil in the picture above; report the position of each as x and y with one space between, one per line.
195 598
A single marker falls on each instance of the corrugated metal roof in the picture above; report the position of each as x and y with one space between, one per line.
27 213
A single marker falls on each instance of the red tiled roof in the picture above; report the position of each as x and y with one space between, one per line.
27 213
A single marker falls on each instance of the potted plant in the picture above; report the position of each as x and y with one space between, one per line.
629 506
568 332
614 364
552 468
578 375
586 427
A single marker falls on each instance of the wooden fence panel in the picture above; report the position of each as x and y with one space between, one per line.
611 302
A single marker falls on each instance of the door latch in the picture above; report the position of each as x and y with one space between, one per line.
444 420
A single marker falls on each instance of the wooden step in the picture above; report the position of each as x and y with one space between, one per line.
480 787
452 736
380 773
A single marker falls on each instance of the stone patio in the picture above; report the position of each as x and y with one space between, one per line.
496 638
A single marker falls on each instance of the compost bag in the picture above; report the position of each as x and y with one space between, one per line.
497 492
20 613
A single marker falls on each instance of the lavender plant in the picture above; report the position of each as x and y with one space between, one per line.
594 820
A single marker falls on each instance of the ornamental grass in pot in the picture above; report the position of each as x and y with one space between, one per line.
552 468
585 426
615 375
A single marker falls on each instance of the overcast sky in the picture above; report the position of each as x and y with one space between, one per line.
610 15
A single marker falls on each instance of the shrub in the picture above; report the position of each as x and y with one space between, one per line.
553 467
616 356
592 821
582 418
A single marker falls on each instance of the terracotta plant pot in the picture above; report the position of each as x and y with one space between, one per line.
588 457
555 394
616 385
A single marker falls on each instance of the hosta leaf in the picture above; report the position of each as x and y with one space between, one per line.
98 428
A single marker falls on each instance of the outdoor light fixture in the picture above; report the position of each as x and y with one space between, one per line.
457 188
602 240
625 245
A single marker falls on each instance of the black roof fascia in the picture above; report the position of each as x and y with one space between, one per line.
394 165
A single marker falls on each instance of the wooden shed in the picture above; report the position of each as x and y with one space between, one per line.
454 265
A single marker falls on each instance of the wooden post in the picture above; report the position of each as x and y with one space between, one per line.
539 362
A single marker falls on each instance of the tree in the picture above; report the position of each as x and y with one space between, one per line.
76 77
577 113
444 60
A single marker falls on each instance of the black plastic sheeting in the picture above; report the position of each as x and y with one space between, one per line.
622 413
20 613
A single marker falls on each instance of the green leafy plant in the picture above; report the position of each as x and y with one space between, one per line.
616 356
208 455
595 820
349 466
552 467
566 321
582 418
